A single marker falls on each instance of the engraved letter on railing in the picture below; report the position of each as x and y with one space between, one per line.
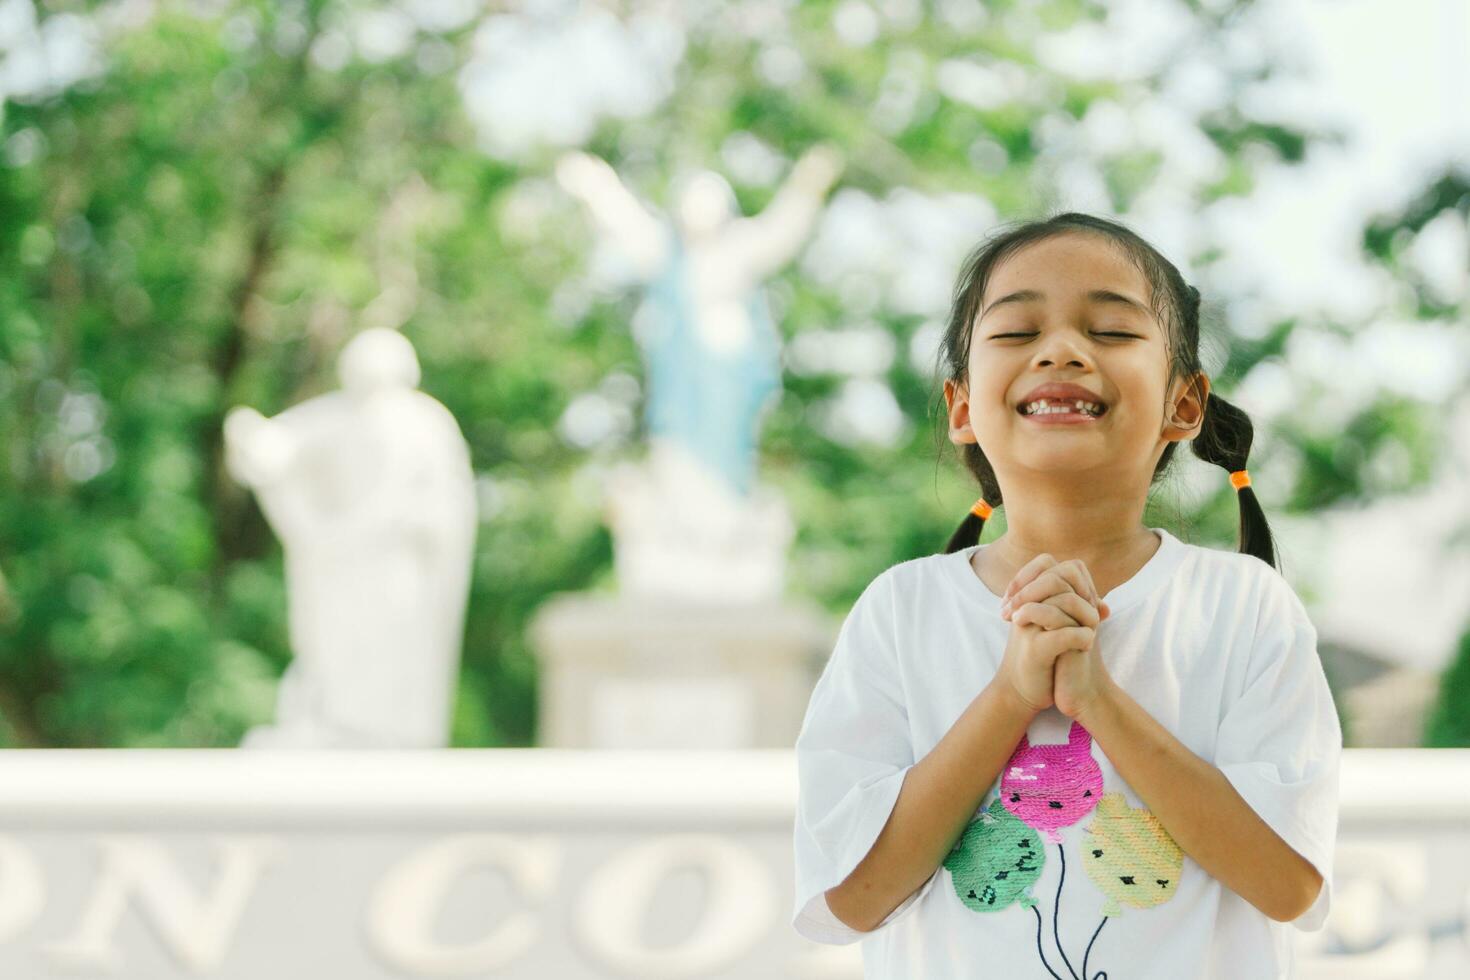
22 889
738 912
400 914
196 929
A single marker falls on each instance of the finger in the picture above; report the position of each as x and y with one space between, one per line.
1074 607
1075 570
1070 604
1050 582
1052 617
1027 572
1102 609
1054 643
1084 576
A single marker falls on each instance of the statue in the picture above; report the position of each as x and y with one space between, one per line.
371 492
691 521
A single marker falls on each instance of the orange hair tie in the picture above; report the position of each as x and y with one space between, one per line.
981 509
1240 478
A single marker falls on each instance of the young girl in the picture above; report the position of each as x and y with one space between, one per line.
1086 750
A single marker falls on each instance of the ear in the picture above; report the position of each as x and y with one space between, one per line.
1187 408
957 398
1078 736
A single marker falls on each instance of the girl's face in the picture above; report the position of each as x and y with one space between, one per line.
1038 322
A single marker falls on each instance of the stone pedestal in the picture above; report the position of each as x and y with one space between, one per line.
681 534
622 672
1391 711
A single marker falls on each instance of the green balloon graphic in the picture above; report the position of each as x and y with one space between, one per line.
995 861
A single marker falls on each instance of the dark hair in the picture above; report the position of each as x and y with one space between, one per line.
1225 431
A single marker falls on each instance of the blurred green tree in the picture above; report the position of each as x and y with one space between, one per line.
1409 242
242 185
1448 724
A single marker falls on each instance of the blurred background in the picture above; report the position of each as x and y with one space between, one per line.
203 203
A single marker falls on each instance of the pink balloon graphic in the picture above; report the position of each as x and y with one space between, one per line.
1051 786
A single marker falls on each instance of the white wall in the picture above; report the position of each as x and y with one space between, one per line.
547 863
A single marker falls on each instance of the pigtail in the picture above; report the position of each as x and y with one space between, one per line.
968 533
1225 440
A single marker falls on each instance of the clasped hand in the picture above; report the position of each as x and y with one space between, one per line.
1046 595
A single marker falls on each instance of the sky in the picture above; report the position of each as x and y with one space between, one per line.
1394 74
1395 71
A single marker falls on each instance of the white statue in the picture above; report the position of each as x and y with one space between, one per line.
371 492
692 521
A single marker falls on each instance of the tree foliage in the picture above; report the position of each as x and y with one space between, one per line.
204 223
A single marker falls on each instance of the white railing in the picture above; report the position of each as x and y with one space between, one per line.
549 863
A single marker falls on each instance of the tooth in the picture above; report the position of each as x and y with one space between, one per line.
1048 406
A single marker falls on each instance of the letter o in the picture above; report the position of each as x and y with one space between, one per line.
738 913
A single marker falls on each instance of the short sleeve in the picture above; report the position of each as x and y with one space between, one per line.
1280 741
852 755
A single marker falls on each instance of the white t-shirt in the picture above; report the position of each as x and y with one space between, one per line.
1213 644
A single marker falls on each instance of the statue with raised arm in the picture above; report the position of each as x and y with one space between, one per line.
371 492
693 522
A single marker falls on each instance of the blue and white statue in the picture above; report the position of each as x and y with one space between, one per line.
695 523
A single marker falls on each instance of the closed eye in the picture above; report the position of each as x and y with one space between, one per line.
1100 333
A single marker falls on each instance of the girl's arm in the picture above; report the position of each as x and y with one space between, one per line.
936 802
1200 809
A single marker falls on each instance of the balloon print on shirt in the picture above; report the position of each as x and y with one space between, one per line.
1130 856
1051 786
996 861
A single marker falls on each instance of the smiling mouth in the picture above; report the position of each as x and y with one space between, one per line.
1060 410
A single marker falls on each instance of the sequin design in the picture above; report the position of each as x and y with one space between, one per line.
1052 786
1130 856
996 861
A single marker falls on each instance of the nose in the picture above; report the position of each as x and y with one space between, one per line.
1070 357
1060 346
